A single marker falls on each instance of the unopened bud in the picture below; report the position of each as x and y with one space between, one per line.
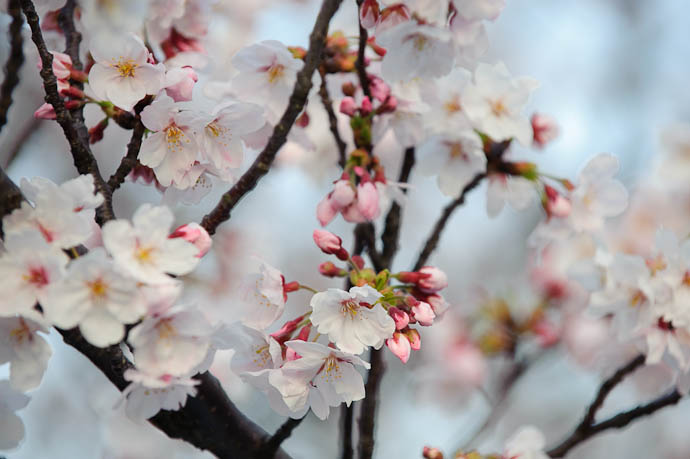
196 234
328 269
432 453
435 281
349 89
366 106
96 132
400 317
399 345
415 339
369 13
544 129
45 112
330 244
348 106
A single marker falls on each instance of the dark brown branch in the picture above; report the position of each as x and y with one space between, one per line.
72 37
615 422
588 428
360 63
271 446
367 416
14 60
263 162
435 236
391 230
346 420
130 159
72 127
332 120
209 421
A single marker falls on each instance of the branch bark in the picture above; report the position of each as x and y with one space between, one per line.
391 233
14 60
130 160
361 64
263 162
84 160
435 236
588 427
332 120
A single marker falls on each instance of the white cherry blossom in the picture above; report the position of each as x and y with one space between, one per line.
171 149
444 97
122 73
527 443
350 320
267 74
479 9
455 159
494 102
322 377
416 51
173 341
12 431
263 297
516 191
148 394
96 297
143 248
25 350
27 268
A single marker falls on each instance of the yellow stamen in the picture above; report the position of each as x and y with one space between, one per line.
126 67
275 73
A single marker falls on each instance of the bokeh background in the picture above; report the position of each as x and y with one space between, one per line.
613 74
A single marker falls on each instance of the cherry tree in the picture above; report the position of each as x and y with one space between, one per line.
416 81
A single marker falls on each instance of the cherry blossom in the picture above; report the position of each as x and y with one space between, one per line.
479 9
455 159
173 341
196 234
220 133
179 83
94 296
25 350
415 51
355 206
267 73
263 296
143 249
322 377
444 97
28 267
514 190
148 394
122 73
63 214
12 431
172 149
527 443
351 319
494 102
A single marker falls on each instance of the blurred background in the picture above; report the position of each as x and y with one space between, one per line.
613 74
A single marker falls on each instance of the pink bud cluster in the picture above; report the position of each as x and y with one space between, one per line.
421 307
64 72
357 203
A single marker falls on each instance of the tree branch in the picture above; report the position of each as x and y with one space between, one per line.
360 63
84 160
391 230
14 60
332 120
435 236
263 162
588 428
367 416
130 160
271 446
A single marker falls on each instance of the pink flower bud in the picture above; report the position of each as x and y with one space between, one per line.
62 65
358 260
556 204
96 132
438 304
304 332
45 112
330 244
196 234
411 277
388 106
379 89
369 13
290 287
547 333
368 201
414 338
180 83
348 106
399 346
392 16
303 120
432 453
325 211
544 129
436 281
343 194
366 106
328 269
286 330
400 317
423 314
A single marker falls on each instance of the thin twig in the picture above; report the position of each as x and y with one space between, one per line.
84 160
587 427
332 120
616 422
14 60
130 159
282 434
391 230
361 64
298 98
435 236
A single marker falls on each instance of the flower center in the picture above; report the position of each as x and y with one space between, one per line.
456 150
262 356
275 72
166 329
98 289
174 136
330 371
453 106
126 67
144 254
498 108
420 42
38 277
21 333
349 307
